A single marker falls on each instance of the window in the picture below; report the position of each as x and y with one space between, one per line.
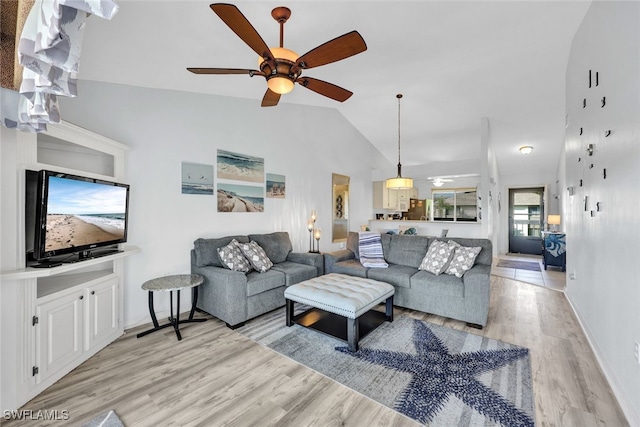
459 204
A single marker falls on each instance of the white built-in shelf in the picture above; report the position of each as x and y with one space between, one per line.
34 273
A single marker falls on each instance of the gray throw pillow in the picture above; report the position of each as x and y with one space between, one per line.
462 260
256 256
437 257
232 257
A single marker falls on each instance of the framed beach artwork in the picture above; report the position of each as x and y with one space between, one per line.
197 179
240 167
275 186
240 198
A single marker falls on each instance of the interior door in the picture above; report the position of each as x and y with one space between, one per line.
526 212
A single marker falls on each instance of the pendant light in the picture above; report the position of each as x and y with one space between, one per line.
399 183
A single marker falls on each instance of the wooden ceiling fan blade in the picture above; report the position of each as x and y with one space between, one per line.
325 88
240 25
334 50
224 71
270 99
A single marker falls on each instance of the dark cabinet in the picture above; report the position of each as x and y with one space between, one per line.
554 250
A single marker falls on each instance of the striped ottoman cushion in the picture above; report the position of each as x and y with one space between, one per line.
340 294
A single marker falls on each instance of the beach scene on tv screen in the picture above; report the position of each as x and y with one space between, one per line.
81 213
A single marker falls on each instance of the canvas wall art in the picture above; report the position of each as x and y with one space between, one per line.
197 178
275 186
240 167
240 198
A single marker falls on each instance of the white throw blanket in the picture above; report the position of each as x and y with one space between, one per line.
370 248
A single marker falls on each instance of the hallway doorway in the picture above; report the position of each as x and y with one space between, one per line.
526 211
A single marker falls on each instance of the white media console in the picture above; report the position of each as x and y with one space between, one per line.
53 319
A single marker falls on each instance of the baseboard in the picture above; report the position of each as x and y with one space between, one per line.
633 417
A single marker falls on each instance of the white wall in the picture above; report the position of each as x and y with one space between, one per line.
603 250
164 128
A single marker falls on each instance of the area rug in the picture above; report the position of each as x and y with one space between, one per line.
433 374
520 265
108 419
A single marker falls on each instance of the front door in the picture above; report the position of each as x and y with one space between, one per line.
525 220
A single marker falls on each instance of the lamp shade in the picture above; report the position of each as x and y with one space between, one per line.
399 183
553 219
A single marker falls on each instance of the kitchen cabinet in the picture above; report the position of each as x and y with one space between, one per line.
394 200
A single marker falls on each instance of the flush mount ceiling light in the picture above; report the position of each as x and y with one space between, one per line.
526 149
438 182
399 183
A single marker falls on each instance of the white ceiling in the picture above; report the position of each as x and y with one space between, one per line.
455 62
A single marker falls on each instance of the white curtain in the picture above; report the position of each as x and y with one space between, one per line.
49 50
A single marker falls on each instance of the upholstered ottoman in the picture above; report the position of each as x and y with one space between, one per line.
341 305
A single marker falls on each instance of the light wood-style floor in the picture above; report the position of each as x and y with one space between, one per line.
215 376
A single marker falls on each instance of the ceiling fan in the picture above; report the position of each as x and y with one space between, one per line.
439 182
281 67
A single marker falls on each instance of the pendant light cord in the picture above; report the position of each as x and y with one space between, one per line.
399 165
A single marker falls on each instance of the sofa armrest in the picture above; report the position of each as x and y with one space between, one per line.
223 293
331 258
316 260
477 286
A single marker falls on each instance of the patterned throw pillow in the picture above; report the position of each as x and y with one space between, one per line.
437 257
232 257
463 259
256 256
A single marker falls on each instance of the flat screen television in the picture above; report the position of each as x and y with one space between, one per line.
78 215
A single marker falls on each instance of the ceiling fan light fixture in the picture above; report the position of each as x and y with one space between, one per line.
278 71
438 183
399 183
280 85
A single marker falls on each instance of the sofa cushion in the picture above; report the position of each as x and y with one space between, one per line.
443 284
462 259
262 282
295 272
207 250
232 257
353 243
406 250
396 274
256 256
437 257
350 266
276 245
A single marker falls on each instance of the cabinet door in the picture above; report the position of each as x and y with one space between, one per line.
391 200
59 334
102 312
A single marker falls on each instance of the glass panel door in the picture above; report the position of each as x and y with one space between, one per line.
525 220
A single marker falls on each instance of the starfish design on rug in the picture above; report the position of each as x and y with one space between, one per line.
437 374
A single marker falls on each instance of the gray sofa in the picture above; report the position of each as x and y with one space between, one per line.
465 299
235 297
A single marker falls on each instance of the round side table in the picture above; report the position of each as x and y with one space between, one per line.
173 283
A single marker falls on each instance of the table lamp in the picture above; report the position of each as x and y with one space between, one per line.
553 220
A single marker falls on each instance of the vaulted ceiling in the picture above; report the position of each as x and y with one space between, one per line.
455 62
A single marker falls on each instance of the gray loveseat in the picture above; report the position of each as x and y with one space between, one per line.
235 297
465 298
